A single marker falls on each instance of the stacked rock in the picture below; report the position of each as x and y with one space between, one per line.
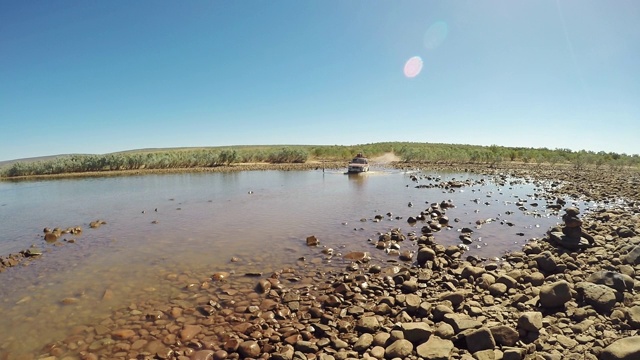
571 236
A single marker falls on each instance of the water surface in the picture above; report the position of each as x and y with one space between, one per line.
194 224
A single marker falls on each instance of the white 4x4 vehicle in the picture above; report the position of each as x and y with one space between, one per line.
358 164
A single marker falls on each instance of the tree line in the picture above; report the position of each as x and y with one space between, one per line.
221 156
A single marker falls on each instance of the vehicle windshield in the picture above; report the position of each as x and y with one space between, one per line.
359 160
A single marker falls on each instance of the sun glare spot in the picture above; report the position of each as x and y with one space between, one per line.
413 67
436 34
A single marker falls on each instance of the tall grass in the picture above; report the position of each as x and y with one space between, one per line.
408 152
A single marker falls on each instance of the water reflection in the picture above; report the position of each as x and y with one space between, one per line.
357 181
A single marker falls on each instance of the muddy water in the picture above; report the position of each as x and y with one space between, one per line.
192 225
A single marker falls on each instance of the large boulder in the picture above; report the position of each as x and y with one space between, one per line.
480 339
613 280
623 349
505 335
601 297
416 332
555 295
435 349
625 232
425 254
461 322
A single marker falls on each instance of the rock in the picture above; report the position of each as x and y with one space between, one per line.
513 354
535 278
412 302
409 286
505 335
32 252
601 297
398 349
188 332
498 289
312 241
123 334
624 349
249 349
625 232
286 353
69 301
456 297
107 295
263 286
555 294
572 211
368 324
425 254
461 322
480 339
633 317
530 321
377 352
220 355
547 262
435 349
363 343
444 331
416 332
358 256
306 347
566 342
487 354
220 276
472 272
202 355
508 281
633 256
51 237
613 280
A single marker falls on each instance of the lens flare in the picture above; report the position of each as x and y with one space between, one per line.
436 34
413 67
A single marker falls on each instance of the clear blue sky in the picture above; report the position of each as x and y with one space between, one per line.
104 76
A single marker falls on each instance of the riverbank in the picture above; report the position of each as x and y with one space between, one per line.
544 302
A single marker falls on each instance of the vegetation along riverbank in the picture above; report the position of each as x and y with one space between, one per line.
260 157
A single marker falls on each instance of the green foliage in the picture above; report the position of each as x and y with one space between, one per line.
409 152
287 155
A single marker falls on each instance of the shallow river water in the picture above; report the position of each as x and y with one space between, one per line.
158 225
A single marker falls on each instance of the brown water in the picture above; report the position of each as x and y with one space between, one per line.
204 220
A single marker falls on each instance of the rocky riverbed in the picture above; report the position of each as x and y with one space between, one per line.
544 302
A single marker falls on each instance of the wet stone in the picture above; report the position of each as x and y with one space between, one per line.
249 349
123 334
189 332
202 355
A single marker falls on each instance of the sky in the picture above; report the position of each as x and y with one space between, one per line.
96 77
